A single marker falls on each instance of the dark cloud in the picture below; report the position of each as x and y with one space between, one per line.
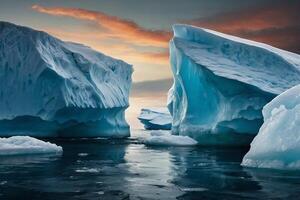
276 23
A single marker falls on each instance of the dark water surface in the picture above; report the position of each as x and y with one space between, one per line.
127 169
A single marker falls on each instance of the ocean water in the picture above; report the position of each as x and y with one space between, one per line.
127 169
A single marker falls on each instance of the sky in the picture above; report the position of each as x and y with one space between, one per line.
138 31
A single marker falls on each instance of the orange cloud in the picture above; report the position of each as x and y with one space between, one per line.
118 50
277 24
115 27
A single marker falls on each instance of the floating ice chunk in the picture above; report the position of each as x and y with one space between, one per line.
100 192
88 170
277 144
3 182
194 189
156 118
160 133
165 138
21 145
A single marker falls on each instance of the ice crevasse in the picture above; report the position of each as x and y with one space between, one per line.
277 145
222 82
52 88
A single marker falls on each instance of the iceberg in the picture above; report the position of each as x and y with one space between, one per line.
165 138
277 145
158 118
24 145
52 88
222 82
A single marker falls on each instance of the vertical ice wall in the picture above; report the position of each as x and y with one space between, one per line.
222 82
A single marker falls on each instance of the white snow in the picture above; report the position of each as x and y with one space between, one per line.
20 145
69 89
247 61
277 144
222 82
165 138
157 118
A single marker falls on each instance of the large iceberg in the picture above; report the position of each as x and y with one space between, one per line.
23 145
52 88
277 144
158 118
222 82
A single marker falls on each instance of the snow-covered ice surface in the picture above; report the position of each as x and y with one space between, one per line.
277 144
24 145
51 88
158 118
222 82
165 138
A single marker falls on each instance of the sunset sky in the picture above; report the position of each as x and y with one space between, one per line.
138 31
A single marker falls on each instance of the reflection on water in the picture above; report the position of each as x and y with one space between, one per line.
126 169
155 171
277 184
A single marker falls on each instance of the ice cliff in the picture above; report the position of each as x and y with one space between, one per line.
222 82
156 118
277 144
52 88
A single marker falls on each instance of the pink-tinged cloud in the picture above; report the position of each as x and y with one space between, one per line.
277 24
118 50
114 27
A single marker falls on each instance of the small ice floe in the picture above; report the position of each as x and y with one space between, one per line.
100 192
165 138
23 145
88 170
3 182
193 189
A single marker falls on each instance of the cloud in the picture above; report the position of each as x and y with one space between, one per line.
112 26
277 24
117 50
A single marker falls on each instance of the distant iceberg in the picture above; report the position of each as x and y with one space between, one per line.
24 145
277 144
222 82
158 118
51 88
